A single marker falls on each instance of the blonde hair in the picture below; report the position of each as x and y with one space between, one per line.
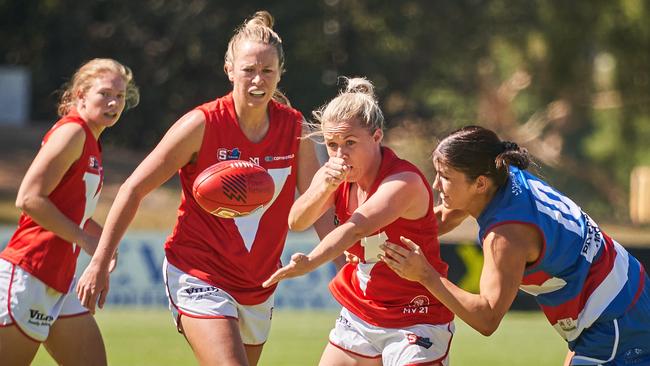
356 101
259 29
82 81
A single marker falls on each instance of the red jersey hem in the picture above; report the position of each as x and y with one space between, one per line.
368 318
242 297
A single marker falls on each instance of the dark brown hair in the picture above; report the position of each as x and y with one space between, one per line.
477 151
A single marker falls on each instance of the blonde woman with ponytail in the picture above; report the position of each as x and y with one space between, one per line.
384 320
57 198
214 267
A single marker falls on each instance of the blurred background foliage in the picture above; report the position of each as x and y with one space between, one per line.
567 79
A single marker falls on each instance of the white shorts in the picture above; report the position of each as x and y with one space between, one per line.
32 305
192 297
422 344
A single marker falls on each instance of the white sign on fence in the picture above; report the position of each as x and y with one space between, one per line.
138 279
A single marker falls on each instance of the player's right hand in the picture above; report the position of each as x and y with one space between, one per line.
298 266
408 261
93 286
334 172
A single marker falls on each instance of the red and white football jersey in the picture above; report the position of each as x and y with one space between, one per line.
40 252
238 254
370 289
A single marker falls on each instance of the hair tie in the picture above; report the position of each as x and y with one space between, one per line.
509 145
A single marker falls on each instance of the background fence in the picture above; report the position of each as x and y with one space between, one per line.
138 279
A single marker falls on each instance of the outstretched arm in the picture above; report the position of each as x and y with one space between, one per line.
506 250
175 150
397 196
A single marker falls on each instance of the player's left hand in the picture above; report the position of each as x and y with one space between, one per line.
409 263
92 287
299 265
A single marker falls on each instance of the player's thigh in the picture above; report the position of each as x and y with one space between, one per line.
334 356
76 340
15 347
214 341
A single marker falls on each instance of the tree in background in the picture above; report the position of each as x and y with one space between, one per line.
568 79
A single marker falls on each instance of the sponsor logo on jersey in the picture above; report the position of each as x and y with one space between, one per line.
255 160
419 305
516 187
420 341
567 324
93 162
593 241
278 158
227 154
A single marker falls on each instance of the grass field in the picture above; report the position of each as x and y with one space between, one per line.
142 337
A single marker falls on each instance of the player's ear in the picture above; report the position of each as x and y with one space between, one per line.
378 135
80 95
228 69
482 183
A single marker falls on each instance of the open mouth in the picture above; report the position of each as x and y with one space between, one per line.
257 93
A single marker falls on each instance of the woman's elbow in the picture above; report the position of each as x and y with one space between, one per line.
132 191
296 225
489 326
26 202
487 331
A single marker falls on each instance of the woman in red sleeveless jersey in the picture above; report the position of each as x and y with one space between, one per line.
377 197
214 267
57 198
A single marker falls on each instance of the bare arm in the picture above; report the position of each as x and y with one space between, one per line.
308 165
568 358
175 150
63 148
397 196
506 249
316 185
318 198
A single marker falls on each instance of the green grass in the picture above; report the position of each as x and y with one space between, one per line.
142 337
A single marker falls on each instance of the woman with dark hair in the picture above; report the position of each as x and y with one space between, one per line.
593 292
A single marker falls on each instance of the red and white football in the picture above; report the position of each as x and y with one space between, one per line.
233 188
